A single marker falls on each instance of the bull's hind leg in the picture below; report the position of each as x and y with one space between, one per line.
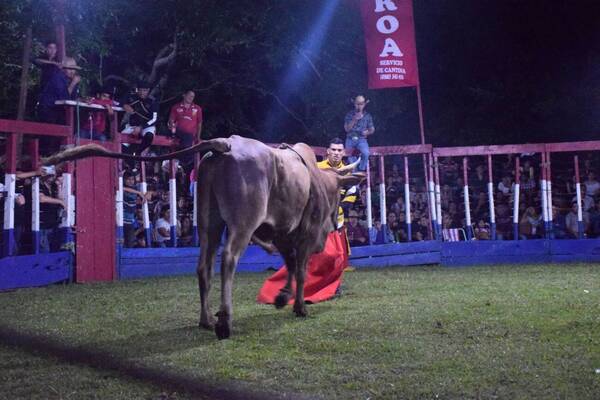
210 237
285 294
301 265
237 241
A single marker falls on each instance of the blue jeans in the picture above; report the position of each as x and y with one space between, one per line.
362 146
46 240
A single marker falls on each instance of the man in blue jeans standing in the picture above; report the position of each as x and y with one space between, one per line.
358 124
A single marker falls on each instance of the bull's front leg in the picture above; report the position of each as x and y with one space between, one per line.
299 305
285 294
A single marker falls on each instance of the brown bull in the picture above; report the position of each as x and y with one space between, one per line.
276 197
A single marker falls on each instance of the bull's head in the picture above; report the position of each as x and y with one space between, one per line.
335 181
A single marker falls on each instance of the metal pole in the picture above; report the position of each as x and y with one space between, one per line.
491 197
407 200
382 204
516 200
469 227
579 205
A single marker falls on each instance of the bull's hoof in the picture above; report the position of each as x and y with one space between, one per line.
223 330
208 325
300 310
207 322
281 300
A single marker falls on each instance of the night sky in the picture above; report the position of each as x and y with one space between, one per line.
529 70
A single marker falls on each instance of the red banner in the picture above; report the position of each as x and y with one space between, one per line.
390 39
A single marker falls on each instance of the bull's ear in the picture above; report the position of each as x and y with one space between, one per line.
352 179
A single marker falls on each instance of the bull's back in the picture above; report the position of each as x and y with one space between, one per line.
255 184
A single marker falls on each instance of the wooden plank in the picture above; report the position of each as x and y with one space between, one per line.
495 259
403 150
397 260
485 150
158 140
390 249
573 146
35 270
575 258
495 248
575 247
34 128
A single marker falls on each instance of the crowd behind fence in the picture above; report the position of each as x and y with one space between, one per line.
413 193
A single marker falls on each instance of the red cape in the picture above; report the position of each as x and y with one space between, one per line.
323 275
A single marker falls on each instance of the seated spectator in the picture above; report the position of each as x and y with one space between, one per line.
130 196
591 184
481 205
530 223
185 234
482 230
357 235
398 206
142 113
140 241
420 229
587 201
162 229
595 220
50 206
559 223
505 186
572 224
503 221
480 180
94 127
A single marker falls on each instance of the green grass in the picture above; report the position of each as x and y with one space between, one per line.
526 332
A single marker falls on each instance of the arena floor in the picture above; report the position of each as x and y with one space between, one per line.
419 332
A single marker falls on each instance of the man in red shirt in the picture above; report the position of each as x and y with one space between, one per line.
185 121
94 127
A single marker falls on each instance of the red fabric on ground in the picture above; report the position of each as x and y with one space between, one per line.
323 275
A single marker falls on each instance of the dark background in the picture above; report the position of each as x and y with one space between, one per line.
492 72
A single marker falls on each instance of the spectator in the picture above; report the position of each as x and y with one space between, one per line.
162 230
94 126
142 111
559 223
48 63
529 225
591 184
378 235
357 235
185 233
480 180
398 206
587 201
50 205
482 230
62 85
571 222
185 121
595 220
505 186
130 196
358 125
481 206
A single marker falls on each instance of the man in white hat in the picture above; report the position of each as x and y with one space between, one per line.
358 125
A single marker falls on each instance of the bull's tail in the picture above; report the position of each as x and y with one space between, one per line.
220 145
